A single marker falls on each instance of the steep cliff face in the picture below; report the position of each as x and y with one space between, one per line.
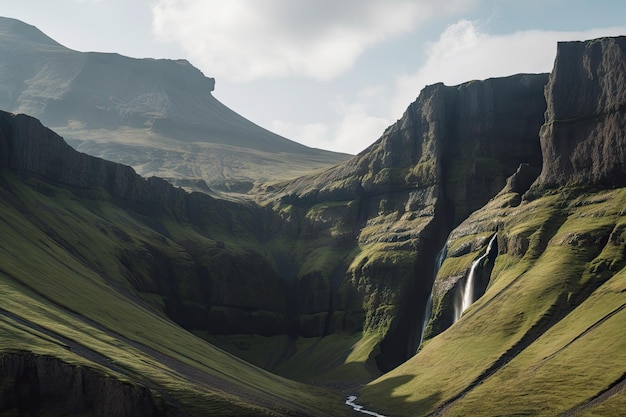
33 149
448 155
583 142
547 296
583 137
583 145
34 385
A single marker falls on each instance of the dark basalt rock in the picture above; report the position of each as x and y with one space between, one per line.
32 149
583 143
583 139
522 179
34 384
451 151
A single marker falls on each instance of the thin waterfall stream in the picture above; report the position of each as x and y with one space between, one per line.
468 289
466 301
441 256
428 311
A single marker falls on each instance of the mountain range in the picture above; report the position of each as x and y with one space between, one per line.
156 115
472 261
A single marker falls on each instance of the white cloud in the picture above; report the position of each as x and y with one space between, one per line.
355 128
464 53
246 40
315 135
243 40
359 126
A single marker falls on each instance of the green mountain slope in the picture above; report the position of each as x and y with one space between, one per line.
65 296
386 212
545 336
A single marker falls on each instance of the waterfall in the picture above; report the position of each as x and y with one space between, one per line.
441 255
468 289
427 315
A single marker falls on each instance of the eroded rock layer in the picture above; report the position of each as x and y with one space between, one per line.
583 137
36 385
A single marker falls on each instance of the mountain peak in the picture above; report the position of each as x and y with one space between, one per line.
18 30
137 111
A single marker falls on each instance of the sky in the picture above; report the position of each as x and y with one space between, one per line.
330 74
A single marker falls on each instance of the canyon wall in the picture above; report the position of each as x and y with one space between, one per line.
582 140
34 385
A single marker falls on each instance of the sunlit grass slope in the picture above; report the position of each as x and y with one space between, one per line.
64 294
335 359
547 336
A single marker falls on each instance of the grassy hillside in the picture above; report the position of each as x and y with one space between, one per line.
545 337
65 294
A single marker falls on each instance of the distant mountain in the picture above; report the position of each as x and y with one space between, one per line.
156 115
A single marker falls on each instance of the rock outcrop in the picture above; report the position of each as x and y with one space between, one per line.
583 139
30 148
583 143
35 385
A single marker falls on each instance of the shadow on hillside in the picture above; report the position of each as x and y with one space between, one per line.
379 397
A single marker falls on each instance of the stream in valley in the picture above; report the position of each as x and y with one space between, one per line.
359 408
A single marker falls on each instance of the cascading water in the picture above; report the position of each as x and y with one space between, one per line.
468 288
429 304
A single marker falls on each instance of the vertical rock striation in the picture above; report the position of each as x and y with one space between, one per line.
583 144
451 152
34 385
583 139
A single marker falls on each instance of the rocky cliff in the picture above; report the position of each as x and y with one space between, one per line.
41 385
530 287
30 148
582 140
582 144
448 155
